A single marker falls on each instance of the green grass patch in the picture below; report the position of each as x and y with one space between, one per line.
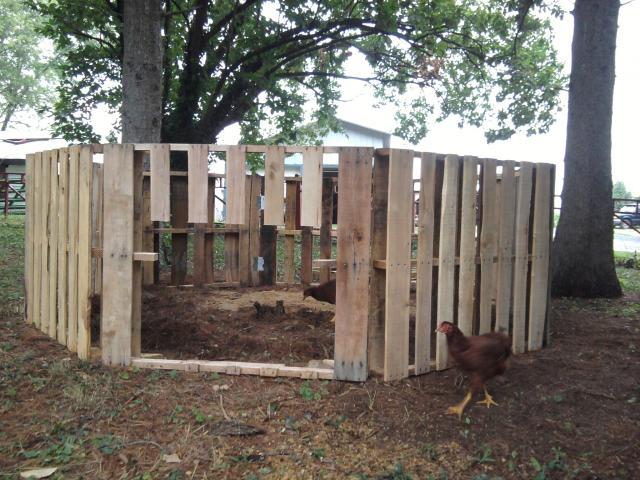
11 261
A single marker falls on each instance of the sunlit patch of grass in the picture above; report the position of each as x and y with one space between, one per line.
11 263
629 279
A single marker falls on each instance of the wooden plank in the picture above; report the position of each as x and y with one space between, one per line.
199 254
254 228
306 256
326 226
488 242
96 227
148 244
424 266
37 238
466 285
274 186
231 251
290 223
311 208
136 288
209 239
552 188
179 214
72 250
46 228
53 244
354 264
507 214
540 256
447 251
118 249
160 182
198 167
399 229
29 237
236 185
85 180
244 237
522 250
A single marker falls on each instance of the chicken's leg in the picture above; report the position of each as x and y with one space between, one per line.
488 399
459 408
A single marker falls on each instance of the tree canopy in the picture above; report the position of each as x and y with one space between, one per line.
489 62
26 73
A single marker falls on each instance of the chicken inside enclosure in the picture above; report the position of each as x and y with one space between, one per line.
325 292
481 356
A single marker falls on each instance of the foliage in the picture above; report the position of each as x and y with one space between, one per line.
620 191
27 73
274 66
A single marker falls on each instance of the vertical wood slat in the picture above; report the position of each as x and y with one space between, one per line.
46 228
117 254
148 268
539 256
136 273
311 208
397 290
326 226
306 255
53 243
85 180
198 179
179 213
254 228
488 242
160 182
521 256
236 185
552 188
447 252
274 186
209 239
29 237
290 224
268 244
244 239
467 278
507 217
377 285
72 249
96 227
424 267
353 263
37 238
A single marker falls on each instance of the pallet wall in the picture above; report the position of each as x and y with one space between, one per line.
58 245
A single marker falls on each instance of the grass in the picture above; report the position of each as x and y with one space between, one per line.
11 262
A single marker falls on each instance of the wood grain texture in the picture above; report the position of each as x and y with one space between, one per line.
488 242
46 228
466 288
311 208
160 182
136 279
198 169
326 226
72 252
38 235
354 264
254 228
236 185
85 181
424 264
507 217
274 186
540 256
29 237
399 229
290 224
118 255
179 219
53 243
521 266
447 253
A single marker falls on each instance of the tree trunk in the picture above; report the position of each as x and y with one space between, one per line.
583 264
142 72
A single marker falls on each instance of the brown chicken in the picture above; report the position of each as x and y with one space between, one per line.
482 357
325 292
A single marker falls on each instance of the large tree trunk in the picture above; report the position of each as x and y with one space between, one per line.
583 264
142 71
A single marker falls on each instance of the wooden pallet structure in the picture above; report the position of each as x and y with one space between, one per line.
475 246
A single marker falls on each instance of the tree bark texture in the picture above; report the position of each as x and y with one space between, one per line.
583 264
142 71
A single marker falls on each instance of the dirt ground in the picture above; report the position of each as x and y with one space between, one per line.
569 411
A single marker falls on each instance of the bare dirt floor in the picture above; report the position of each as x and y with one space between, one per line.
569 411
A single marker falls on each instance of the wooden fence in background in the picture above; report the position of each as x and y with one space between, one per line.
477 251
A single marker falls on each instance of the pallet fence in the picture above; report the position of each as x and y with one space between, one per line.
473 242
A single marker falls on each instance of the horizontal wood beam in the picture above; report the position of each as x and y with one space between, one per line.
137 256
382 264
